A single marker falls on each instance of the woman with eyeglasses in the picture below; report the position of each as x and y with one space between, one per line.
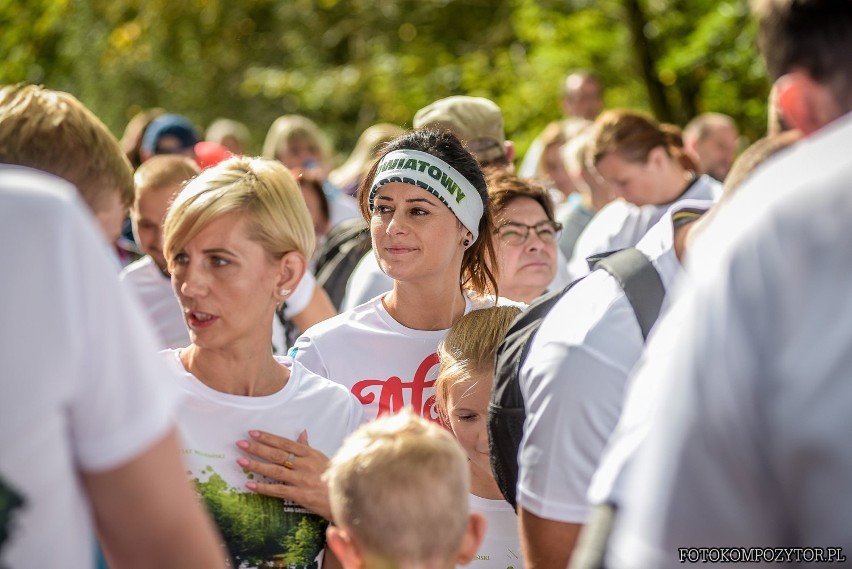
525 238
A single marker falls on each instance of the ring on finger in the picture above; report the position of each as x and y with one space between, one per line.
288 464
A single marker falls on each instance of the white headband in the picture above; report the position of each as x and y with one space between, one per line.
436 177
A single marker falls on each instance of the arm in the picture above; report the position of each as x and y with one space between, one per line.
546 544
147 514
318 309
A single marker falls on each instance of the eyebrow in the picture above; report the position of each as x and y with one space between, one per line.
424 199
218 250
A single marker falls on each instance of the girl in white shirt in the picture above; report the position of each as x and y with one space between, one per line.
427 205
463 389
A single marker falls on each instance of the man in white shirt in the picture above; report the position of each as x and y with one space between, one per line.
749 446
573 382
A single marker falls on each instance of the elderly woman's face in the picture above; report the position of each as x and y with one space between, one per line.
526 265
226 284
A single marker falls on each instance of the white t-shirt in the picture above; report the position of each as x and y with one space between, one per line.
341 207
621 224
573 382
749 445
368 280
154 290
259 528
501 546
80 386
384 364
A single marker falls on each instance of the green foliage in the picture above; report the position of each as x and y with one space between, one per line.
350 63
259 529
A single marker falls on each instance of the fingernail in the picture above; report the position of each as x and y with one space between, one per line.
251 485
243 444
254 434
242 462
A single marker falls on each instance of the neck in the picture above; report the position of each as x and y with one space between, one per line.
482 484
520 294
422 307
252 373
681 179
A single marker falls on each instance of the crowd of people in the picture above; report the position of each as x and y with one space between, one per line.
212 359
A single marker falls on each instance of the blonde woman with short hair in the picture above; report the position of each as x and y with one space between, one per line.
236 241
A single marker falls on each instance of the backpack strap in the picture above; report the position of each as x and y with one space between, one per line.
640 281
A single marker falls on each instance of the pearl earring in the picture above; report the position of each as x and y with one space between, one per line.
284 292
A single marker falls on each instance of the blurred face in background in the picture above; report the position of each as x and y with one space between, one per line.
526 249
148 216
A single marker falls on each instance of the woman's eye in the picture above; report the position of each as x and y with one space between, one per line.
467 417
181 259
382 209
217 261
418 211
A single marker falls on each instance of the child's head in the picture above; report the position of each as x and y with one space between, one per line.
54 132
465 376
157 181
399 494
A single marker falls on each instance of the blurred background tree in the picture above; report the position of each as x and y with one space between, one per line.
350 63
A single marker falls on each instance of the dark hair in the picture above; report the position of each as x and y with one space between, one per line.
815 35
315 186
443 144
504 187
632 136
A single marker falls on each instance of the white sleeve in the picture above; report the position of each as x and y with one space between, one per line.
125 402
306 352
573 399
302 295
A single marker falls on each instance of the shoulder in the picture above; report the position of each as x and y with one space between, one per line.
138 270
603 325
310 384
364 315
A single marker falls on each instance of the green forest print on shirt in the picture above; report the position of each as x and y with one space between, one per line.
261 531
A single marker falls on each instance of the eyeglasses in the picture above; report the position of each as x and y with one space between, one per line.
514 233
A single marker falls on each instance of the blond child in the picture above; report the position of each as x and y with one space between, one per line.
462 392
398 489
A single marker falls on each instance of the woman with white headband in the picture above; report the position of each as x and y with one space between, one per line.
427 205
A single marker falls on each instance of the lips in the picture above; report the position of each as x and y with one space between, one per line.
197 319
399 250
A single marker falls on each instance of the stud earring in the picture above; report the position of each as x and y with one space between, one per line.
466 242
284 292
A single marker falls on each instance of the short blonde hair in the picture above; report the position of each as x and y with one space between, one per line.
400 486
163 171
470 349
54 132
295 127
264 190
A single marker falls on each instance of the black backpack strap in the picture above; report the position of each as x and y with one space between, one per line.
640 281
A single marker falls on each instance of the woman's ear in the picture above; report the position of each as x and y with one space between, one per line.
658 158
291 269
